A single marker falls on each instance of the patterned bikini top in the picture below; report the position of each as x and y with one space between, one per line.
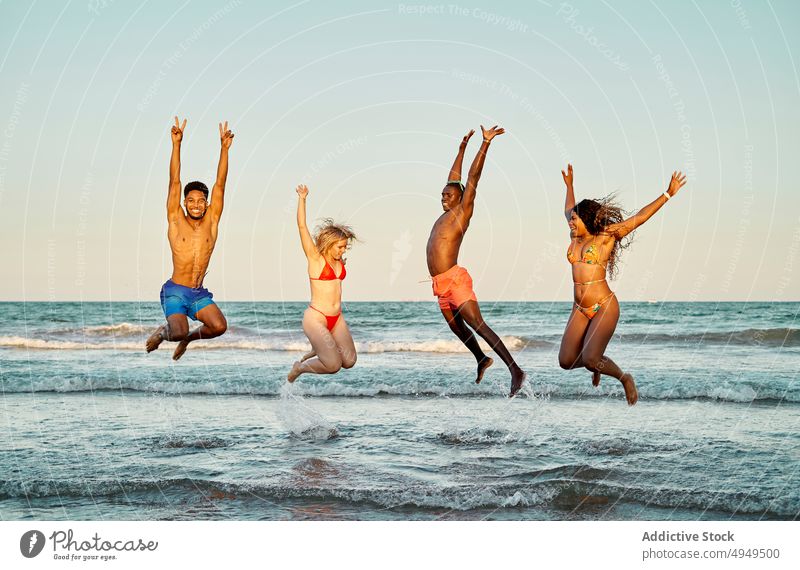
591 256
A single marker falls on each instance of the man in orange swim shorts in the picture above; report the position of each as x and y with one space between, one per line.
453 287
452 283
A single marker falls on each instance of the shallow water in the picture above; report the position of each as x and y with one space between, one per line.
96 429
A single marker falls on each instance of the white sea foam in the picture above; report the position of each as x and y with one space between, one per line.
300 419
358 388
435 346
121 329
566 491
44 344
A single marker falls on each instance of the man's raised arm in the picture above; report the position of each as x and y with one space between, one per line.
174 194
218 193
455 170
468 200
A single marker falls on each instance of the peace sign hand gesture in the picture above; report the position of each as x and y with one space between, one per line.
177 131
225 135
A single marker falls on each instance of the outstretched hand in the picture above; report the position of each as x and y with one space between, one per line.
177 130
567 176
225 136
467 136
676 183
489 134
302 191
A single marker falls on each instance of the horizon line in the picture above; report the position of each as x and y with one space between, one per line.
482 301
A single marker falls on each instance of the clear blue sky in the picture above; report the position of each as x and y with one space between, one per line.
365 102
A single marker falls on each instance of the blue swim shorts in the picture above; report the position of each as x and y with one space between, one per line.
177 299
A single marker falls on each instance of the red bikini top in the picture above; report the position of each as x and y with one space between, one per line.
328 274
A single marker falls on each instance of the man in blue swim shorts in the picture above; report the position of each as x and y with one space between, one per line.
192 235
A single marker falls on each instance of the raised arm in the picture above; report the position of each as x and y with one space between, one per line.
306 240
623 228
455 170
468 200
218 193
174 193
569 204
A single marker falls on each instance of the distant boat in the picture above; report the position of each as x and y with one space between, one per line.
652 301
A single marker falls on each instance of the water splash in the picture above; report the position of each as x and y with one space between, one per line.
300 420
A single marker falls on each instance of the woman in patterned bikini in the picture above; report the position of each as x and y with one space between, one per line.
332 346
597 228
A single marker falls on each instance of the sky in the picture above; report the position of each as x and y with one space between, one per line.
365 102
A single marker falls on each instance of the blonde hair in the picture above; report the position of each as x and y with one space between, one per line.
329 232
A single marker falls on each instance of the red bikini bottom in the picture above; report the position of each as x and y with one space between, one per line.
332 320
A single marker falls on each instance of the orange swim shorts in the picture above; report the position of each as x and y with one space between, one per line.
453 287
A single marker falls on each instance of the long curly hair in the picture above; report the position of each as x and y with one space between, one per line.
329 232
596 215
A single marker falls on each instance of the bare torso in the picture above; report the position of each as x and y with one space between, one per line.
192 243
326 296
445 240
586 295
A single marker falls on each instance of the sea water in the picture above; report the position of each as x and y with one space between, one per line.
94 428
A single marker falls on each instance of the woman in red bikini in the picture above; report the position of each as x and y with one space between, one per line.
597 229
332 346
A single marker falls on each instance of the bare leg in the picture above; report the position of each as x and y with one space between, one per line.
471 314
459 328
327 359
294 372
601 329
308 355
176 329
344 343
569 355
214 325
155 339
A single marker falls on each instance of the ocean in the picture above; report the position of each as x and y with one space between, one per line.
95 429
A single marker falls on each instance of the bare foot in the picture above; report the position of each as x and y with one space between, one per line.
517 379
595 379
155 339
180 349
308 355
482 366
294 372
630 389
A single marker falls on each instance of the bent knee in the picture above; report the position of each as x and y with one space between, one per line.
215 328
331 364
567 362
592 362
349 362
176 334
569 359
